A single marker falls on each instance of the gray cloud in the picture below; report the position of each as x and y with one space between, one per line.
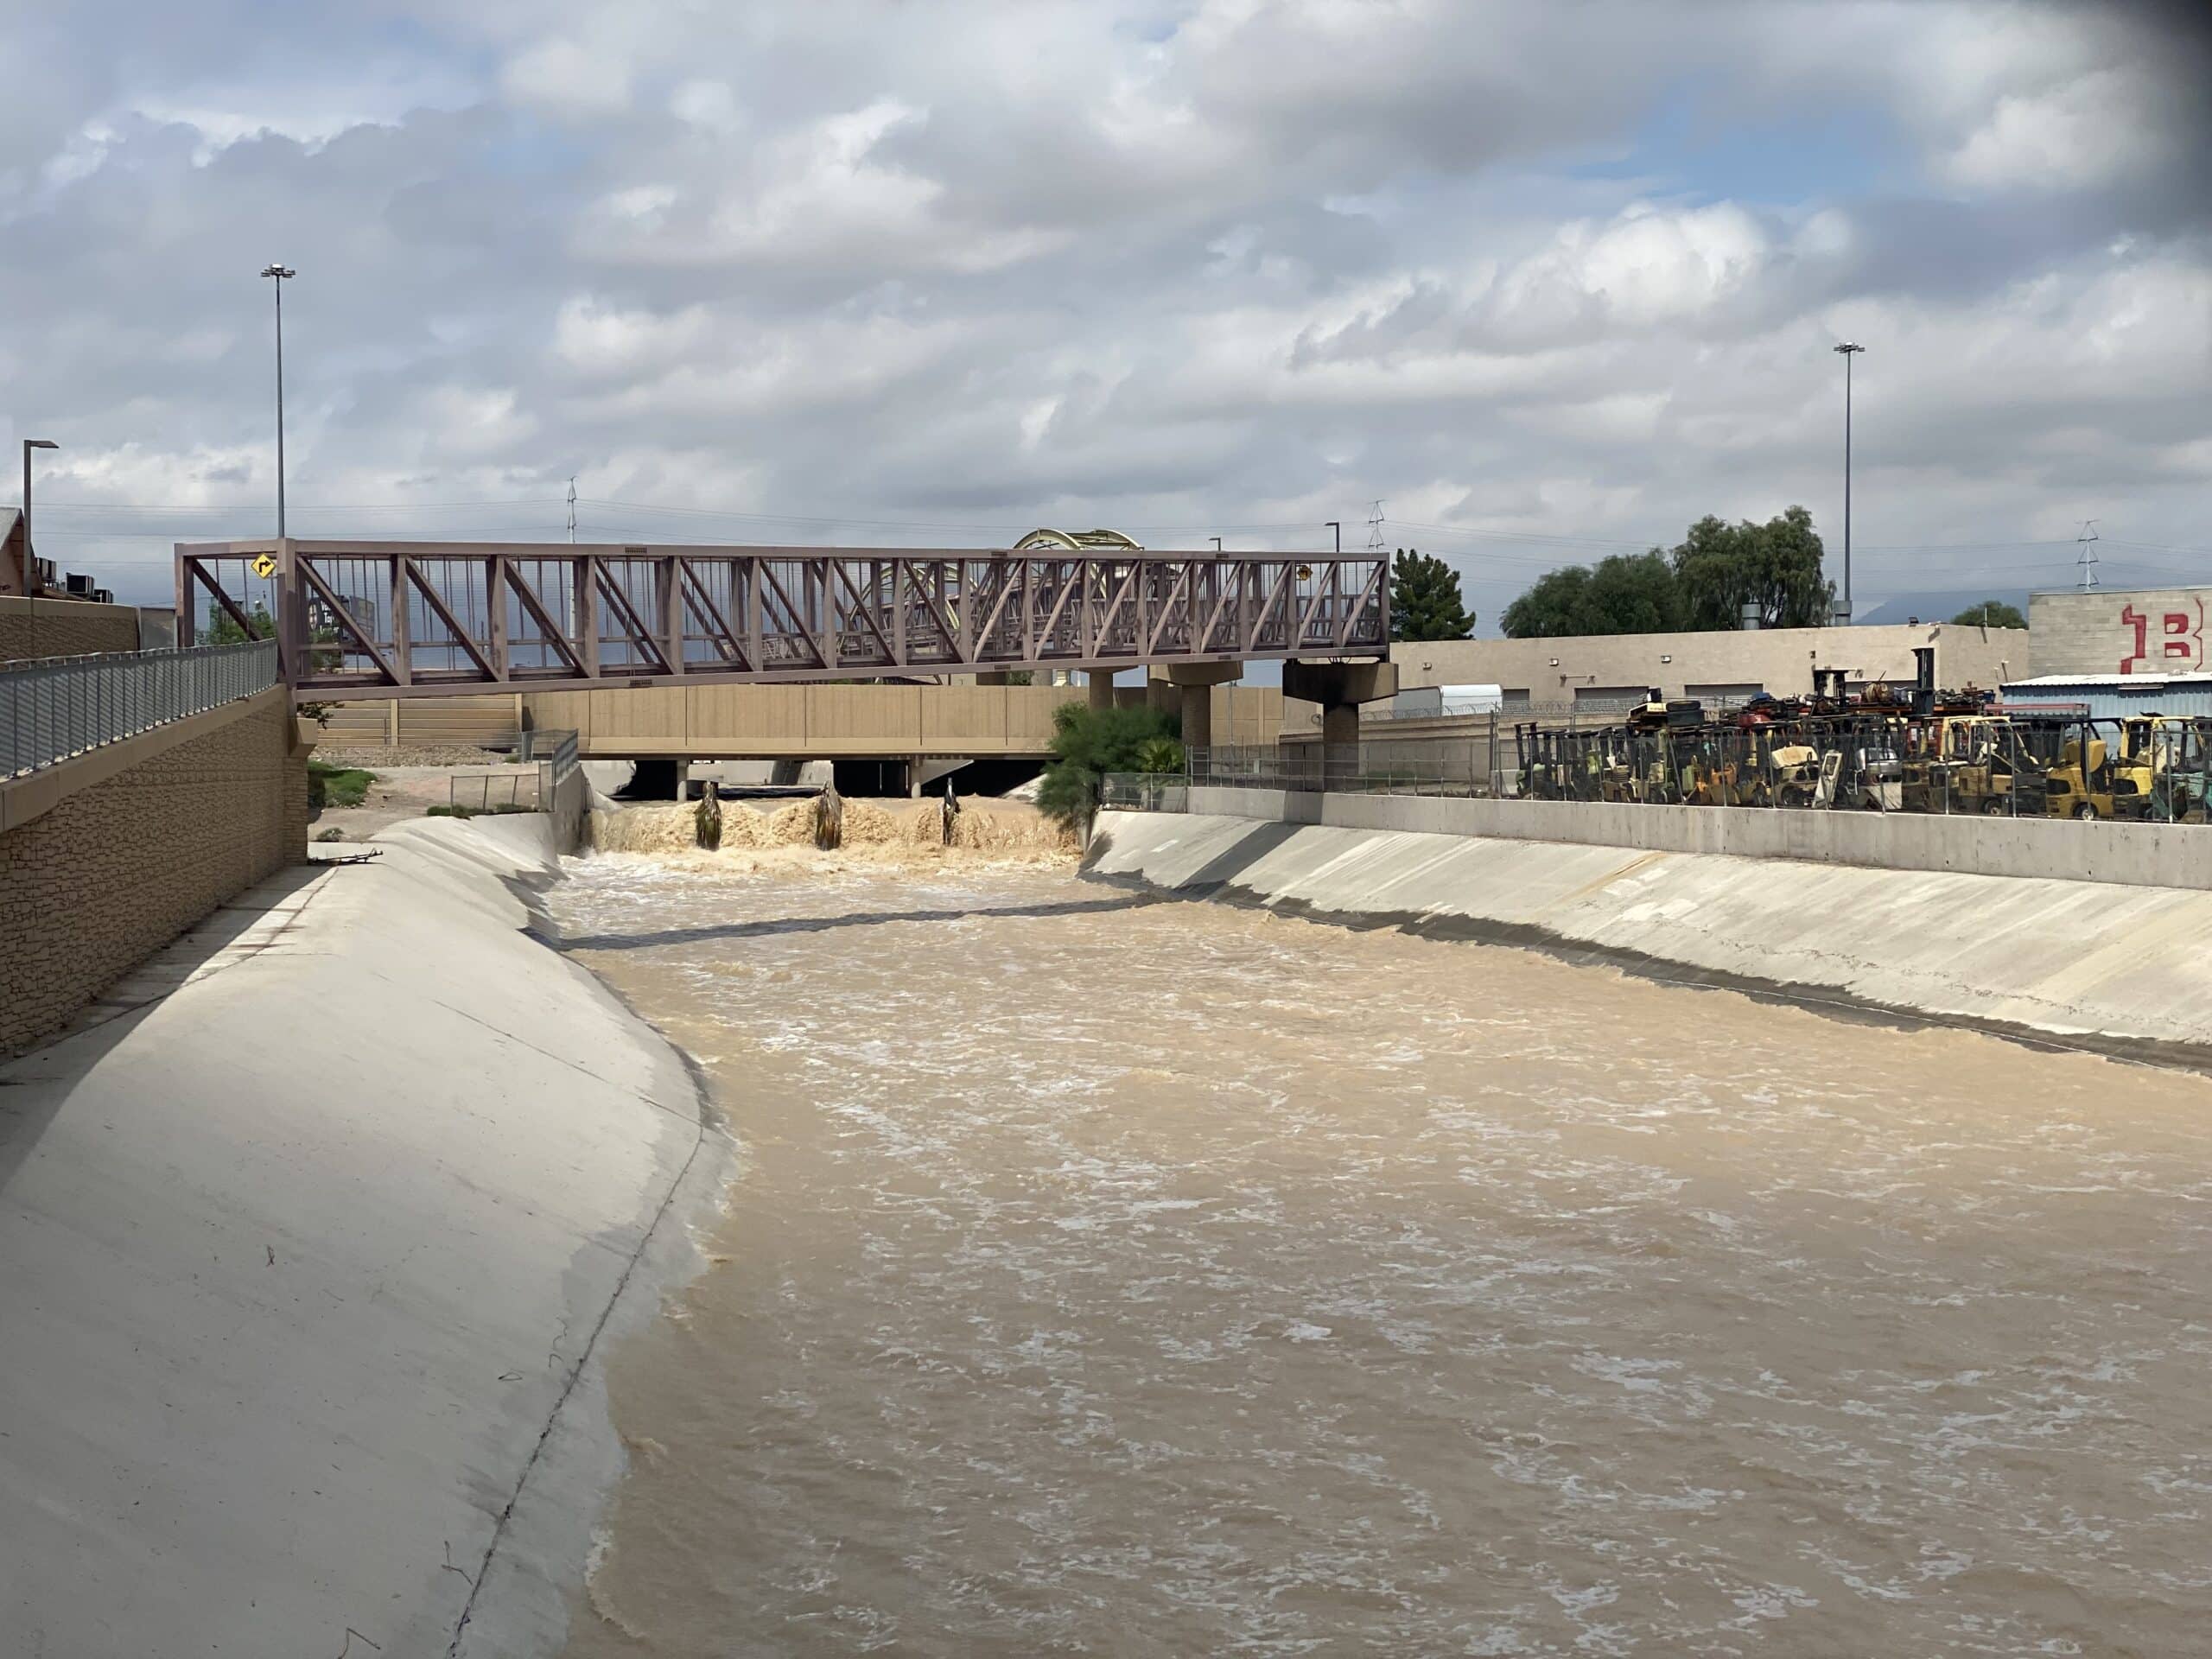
1198 266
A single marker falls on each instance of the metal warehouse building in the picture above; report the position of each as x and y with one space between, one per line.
2107 697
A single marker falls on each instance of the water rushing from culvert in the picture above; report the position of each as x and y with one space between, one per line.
1009 829
1156 1279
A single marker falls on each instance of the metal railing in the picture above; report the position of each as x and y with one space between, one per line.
554 752
557 750
54 708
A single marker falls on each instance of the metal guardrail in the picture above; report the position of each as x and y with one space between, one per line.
54 708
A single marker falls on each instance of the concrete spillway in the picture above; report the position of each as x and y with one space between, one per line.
313 1244
2081 960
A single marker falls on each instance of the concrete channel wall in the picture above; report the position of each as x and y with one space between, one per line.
315 1242
2133 855
2118 964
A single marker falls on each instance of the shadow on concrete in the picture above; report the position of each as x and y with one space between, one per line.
1218 873
34 1084
778 925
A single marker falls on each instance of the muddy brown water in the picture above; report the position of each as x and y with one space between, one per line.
1113 1277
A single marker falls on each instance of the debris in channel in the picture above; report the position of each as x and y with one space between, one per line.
709 818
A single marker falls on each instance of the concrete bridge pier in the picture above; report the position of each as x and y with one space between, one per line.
1339 687
1101 683
1195 682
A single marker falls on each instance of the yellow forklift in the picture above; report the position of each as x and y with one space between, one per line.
2161 772
2078 783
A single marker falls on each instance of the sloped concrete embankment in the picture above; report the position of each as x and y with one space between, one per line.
2112 965
315 1237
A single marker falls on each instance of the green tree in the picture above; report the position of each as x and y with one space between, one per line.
1425 601
1719 567
1991 614
1087 744
1628 592
223 629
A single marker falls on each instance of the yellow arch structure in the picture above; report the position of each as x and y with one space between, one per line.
1043 540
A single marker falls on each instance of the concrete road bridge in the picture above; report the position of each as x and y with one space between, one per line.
401 619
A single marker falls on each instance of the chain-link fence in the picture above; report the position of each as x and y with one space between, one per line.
1423 768
1144 792
54 707
509 791
2142 768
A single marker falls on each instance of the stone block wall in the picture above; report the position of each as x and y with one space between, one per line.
63 628
2121 631
114 871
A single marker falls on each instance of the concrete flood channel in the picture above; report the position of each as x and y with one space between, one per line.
1006 1262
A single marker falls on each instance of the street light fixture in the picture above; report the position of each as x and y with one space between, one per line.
31 583
1340 529
1846 350
280 272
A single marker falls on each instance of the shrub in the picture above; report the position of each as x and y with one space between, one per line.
1090 742
329 786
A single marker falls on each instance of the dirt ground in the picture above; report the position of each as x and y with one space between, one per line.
397 794
378 757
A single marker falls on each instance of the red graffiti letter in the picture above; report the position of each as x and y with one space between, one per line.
2141 624
2182 641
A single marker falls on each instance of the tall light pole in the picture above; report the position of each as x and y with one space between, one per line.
31 583
1340 529
1846 350
280 272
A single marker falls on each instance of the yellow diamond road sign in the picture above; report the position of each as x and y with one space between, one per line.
263 565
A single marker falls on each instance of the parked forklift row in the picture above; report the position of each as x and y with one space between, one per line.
1876 750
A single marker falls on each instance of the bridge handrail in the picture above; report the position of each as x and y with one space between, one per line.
54 708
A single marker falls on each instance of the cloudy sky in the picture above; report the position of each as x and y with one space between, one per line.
1546 279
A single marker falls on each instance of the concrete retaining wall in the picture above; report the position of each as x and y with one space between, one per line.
108 857
570 810
2135 855
2124 963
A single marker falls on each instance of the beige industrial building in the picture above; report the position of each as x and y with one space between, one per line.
1600 671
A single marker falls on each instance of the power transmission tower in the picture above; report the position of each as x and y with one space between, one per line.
2087 560
1375 529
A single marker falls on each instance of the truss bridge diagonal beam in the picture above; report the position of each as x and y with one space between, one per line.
390 619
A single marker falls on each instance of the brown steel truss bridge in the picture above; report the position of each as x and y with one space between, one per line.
426 618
